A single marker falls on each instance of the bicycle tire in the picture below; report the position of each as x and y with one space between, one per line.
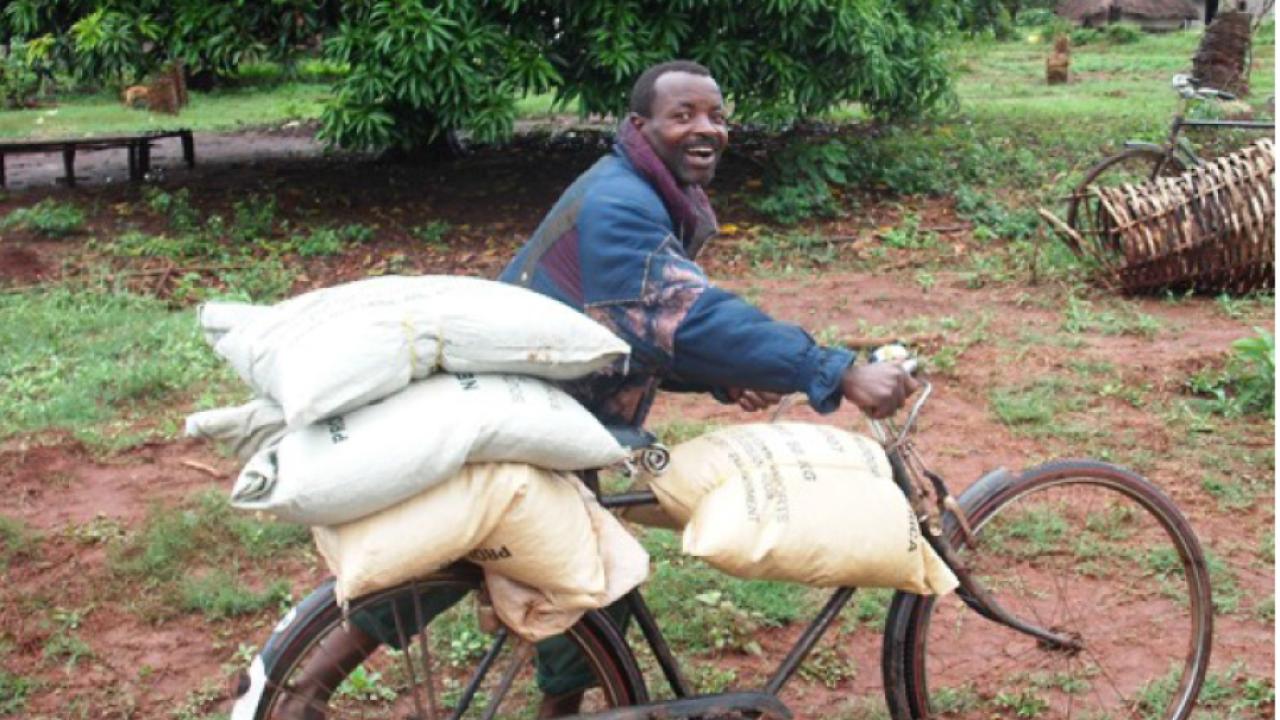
941 659
304 629
1145 163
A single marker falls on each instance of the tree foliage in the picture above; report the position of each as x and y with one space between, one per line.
419 67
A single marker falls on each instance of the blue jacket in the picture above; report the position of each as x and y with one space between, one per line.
619 247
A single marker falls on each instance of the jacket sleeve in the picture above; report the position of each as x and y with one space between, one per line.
638 281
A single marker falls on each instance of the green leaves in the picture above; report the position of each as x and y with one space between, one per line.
422 67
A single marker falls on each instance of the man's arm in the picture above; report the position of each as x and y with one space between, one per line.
638 281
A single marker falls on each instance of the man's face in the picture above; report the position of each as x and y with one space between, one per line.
687 128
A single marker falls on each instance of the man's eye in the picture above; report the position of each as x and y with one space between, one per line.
683 117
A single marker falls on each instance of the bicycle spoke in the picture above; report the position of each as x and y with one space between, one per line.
408 661
425 652
521 657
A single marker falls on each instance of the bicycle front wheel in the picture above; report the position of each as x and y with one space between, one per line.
1084 549
422 653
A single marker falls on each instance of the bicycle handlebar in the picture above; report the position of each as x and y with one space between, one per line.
1190 89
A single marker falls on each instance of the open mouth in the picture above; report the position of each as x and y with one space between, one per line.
701 156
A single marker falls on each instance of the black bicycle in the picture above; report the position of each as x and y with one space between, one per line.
1083 594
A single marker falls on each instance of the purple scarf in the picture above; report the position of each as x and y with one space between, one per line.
688 205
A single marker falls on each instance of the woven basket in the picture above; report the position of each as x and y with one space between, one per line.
1210 229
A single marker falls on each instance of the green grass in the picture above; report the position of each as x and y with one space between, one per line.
228 109
83 361
14 690
190 558
16 541
47 217
221 594
703 610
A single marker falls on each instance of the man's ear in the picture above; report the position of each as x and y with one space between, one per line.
637 120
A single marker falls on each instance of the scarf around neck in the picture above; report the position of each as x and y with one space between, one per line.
688 205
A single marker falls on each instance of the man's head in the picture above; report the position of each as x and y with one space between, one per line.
678 108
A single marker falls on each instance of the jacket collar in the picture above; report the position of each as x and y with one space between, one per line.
688 205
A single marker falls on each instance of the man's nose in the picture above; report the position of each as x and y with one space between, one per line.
704 126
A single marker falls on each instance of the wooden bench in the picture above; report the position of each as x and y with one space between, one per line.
138 147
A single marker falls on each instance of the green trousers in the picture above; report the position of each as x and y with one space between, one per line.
561 668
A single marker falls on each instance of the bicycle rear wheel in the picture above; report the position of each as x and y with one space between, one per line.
1084 549
448 668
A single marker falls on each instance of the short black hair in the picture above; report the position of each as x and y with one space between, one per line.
642 91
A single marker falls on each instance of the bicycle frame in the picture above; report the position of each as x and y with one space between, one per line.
1178 145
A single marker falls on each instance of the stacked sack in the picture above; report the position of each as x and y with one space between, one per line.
796 502
409 421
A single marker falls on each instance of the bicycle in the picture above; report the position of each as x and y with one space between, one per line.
1142 161
1082 588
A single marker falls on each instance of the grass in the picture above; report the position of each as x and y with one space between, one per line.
83 361
14 690
16 541
47 217
702 610
189 559
220 110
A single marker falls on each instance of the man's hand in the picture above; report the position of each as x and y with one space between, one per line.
878 389
753 400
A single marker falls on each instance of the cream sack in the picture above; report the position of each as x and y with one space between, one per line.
423 534
532 609
335 349
801 503
355 464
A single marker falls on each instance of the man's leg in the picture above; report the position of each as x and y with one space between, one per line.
343 649
563 674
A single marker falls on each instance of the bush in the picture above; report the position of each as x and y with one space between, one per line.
47 217
1122 33
1084 36
420 68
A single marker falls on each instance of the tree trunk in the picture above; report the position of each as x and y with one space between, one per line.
1222 59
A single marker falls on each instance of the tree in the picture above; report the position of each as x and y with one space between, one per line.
418 68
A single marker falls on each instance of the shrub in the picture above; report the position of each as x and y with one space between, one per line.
48 217
1084 36
1122 33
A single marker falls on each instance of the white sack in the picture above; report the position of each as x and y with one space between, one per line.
801 503
352 465
246 429
535 614
335 349
422 534
217 318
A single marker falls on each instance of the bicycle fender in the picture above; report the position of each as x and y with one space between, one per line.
983 487
246 703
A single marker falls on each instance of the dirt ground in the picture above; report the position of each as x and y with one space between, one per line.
142 668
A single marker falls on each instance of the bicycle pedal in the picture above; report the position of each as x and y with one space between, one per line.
724 705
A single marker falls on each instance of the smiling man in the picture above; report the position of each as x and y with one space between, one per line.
620 246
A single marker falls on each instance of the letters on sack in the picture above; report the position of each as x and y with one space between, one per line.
352 465
801 503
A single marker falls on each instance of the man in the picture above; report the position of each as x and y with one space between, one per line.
620 246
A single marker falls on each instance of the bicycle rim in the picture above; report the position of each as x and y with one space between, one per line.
1132 166
1091 552
429 674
